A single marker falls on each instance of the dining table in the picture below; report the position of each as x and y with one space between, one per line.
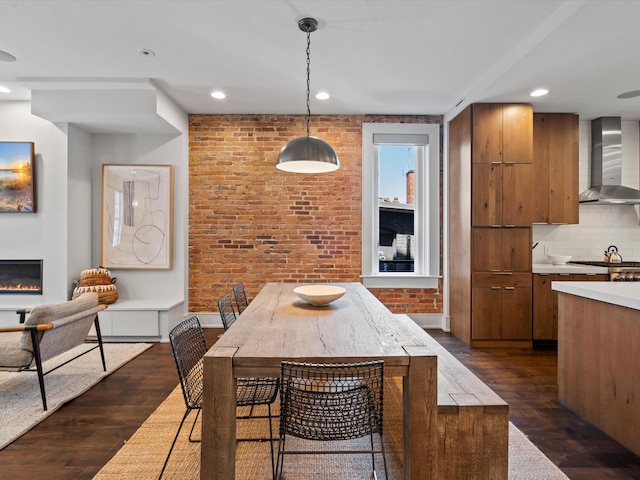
279 326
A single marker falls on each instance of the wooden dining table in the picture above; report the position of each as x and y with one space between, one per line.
279 326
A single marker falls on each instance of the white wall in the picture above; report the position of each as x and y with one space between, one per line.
41 235
65 230
600 225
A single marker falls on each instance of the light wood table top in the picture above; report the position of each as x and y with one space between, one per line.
278 326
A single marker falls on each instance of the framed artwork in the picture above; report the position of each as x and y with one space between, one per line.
137 216
17 177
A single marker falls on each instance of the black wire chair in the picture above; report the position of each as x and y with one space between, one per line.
227 313
189 346
241 297
330 402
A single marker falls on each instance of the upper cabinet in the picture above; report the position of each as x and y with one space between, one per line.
502 133
502 176
555 168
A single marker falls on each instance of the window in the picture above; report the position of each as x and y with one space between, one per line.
400 208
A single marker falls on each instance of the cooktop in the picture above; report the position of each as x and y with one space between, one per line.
606 264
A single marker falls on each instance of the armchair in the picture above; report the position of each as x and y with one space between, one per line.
47 332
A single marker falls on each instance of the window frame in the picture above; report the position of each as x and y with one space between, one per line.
427 209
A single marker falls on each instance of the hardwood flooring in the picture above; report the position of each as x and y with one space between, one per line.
83 435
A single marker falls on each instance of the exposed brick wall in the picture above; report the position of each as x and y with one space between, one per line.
251 223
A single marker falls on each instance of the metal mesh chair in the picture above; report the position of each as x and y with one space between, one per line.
241 297
189 346
227 313
329 402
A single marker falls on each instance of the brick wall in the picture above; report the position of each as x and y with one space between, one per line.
251 223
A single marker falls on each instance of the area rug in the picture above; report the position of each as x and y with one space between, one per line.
20 401
143 455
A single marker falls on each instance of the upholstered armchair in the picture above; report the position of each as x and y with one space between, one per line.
47 332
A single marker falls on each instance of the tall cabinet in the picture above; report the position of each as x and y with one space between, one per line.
490 218
555 168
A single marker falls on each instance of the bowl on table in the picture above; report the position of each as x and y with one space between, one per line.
559 259
319 295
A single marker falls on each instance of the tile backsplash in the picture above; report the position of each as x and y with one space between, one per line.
602 225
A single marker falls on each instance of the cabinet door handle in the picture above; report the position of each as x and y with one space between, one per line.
496 163
506 272
509 226
496 226
496 288
509 288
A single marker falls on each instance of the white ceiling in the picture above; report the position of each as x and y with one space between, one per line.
372 56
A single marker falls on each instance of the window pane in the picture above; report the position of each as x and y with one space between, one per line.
396 208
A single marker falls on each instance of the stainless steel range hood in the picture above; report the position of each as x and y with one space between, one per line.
606 166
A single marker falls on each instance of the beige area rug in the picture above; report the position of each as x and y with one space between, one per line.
20 401
143 455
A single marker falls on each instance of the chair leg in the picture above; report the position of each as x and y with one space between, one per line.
194 426
273 466
96 322
166 461
280 460
36 353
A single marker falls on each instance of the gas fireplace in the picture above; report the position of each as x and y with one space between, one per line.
21 277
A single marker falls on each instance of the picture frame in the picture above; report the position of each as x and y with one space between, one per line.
17 177
137 217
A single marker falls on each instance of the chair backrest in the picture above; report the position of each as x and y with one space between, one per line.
227 313
72 321
241 297
189 346
331 401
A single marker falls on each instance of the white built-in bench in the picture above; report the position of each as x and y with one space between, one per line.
148 319
473 423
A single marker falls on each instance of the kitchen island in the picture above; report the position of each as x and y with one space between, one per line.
599 355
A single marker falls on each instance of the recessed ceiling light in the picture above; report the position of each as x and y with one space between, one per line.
539 92
631 94
218 94
6 57
4 89
322 96
145 52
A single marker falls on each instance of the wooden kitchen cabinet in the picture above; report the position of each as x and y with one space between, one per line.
502 194
545 301
502 133
502 172
501 249
501 307
555 168
490 218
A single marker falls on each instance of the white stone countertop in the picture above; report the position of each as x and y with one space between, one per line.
624 294
567 268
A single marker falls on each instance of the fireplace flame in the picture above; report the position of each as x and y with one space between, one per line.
19 288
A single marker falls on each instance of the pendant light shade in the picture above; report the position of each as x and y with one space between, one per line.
308 154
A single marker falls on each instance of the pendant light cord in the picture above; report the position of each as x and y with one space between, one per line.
308 76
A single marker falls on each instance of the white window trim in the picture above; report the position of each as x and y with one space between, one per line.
427 196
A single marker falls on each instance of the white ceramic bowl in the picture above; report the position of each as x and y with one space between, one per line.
559 259
319 295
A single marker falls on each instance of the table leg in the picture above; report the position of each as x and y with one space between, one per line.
420 415
218 448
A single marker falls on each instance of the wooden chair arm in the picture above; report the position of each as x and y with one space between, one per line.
21 328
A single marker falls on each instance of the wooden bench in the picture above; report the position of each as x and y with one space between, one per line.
473 423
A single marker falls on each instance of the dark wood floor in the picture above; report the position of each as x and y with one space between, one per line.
83 435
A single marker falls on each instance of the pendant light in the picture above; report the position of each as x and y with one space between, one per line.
308 154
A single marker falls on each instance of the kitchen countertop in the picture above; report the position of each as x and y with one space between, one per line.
568 268
624 294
